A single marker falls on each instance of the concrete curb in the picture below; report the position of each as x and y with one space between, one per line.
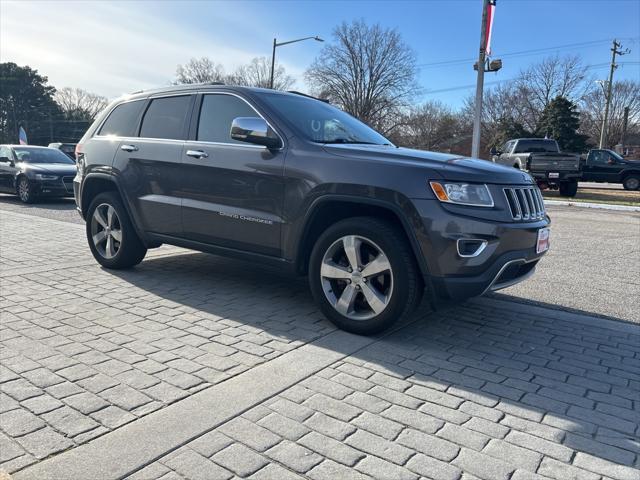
602 206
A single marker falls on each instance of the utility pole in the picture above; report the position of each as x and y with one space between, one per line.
477 118
615 51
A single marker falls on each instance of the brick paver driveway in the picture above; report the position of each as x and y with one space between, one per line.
196 367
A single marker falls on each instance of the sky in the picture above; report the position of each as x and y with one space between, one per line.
115 47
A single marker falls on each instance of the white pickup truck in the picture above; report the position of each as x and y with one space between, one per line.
541 157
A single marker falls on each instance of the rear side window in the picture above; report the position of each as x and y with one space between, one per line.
123 120
166 118
537 146
217 114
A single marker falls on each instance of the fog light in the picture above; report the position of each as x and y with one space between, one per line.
470 247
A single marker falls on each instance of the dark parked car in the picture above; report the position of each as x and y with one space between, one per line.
67 148
287 180
31 172
608 166
542 158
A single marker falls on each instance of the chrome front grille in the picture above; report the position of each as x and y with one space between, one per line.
525 203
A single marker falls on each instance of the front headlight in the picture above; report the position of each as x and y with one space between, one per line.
476 195
40 176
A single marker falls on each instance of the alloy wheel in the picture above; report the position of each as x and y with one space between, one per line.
106 230
356 277
23 190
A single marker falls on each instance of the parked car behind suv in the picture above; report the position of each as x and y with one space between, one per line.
32 172
68 149
288 180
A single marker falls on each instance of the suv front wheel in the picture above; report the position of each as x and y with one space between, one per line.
363 275
110 233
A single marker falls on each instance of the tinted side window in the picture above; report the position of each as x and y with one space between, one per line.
217 114
166 118
599 157
522 146
123 120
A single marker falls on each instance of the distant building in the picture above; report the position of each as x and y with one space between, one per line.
629 151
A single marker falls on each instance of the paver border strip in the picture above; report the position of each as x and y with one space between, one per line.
133 446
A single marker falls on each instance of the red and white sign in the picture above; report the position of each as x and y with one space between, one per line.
491 8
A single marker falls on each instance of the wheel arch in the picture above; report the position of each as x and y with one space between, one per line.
329 209
94 184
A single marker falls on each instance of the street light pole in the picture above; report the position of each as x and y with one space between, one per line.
273 63
273 53
477 118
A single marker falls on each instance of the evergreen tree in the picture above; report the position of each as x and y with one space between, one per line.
560 120
26 100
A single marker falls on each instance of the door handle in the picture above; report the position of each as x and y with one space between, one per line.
197 154
129 148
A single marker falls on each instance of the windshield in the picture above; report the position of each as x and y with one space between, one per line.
41 155
616 155
322 123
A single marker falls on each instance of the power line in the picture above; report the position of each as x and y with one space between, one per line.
495 82
522 52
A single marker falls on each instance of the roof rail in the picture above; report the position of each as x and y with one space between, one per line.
308 96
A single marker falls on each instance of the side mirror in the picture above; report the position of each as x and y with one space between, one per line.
611 161
494 151
6 160
254 130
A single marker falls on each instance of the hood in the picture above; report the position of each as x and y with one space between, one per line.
449 167
52 168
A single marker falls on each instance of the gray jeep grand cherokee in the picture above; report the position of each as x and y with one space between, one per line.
289 180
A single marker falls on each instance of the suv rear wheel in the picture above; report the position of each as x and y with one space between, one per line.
363 275
111 236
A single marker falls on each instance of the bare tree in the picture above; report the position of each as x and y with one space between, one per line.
257 74
625 93
199 70
368 71
554 77
78 103
431 126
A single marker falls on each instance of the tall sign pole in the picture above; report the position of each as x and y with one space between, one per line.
477 119
616 51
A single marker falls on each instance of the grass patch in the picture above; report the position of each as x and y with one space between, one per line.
594 195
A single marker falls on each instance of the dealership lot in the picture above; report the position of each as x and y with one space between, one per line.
194 366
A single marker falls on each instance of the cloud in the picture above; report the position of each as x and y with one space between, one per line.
119 47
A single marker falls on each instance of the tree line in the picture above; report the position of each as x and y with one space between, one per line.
47 115
370 72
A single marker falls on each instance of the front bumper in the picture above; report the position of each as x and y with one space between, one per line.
508 257
61 187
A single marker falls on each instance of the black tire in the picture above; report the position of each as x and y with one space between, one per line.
568 189
632 182
25 190
407 287
130 250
